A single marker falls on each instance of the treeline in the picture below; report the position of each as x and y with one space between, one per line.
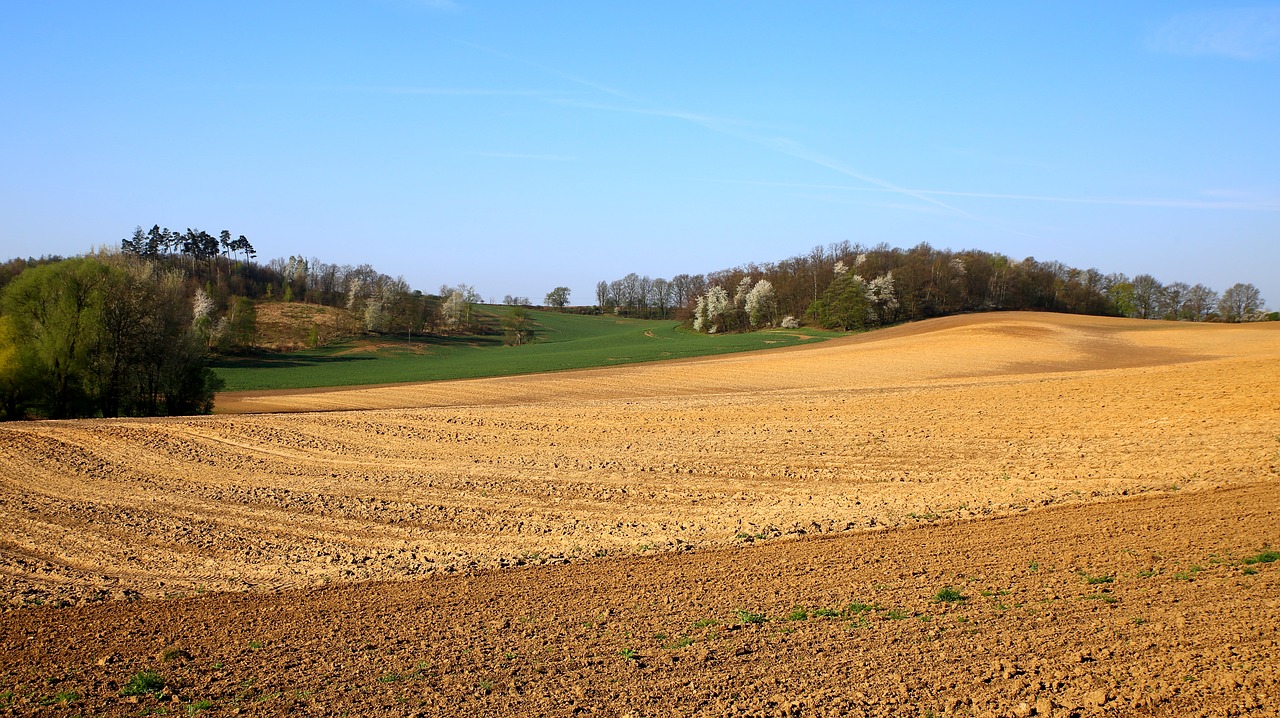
131 332
849 286
638 296
376 302
101 335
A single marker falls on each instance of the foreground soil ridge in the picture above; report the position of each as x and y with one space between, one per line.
1030 615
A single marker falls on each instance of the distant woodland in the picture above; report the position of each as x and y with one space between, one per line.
847 286
131 331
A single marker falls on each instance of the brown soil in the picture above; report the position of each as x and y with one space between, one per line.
1009 456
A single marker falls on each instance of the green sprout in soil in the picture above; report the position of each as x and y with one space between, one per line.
680 642
1189 574
858 608
1264 557
948 594
63 698
143 683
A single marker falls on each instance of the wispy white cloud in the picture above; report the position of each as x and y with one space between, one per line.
739 129
1248 205
727 126
1121 201
1247 33
853 202
799 151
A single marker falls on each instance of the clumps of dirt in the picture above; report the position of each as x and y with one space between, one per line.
515 472
1143 606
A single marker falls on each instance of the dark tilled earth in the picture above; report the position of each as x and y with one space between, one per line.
1144 606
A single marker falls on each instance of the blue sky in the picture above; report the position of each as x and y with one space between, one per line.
518 146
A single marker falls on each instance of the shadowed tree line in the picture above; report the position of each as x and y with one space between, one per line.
101 335
130 332
849 286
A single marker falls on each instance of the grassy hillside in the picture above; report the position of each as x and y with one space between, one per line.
562 341
288 326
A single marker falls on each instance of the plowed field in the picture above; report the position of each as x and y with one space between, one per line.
1091 487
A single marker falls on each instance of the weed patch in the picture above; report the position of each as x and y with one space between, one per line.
1189 574
62 698
1264 557
143 683
680 642
857 608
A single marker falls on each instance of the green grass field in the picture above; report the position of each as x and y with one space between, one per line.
562 341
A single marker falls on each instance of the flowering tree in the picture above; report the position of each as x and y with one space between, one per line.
717 308
711 310
882 299
760 304
456 309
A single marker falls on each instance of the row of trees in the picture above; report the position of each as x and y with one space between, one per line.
102 335
196 244
637 296
225 267
1144 297
850 286
132 332
752 306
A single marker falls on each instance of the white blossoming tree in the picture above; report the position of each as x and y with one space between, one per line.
761 305
882 299
456 309
711 310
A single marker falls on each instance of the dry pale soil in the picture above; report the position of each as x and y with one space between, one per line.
1014 514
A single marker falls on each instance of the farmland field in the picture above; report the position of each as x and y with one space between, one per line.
560 341
1011 514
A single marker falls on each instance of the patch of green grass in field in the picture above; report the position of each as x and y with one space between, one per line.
1264 557
561 341
143 683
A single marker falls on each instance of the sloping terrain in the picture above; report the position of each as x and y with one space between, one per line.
1138 607
284 326
962 348
1027 454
